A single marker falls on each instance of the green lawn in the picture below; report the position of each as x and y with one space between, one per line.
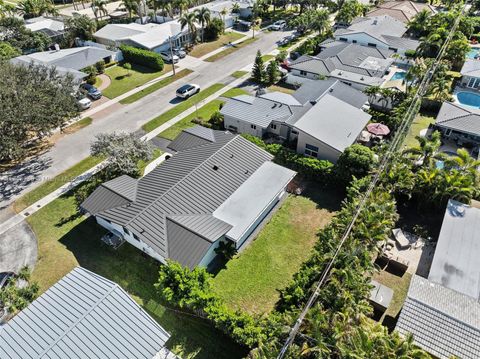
234 92
181 107
203 113
143 164
267 57
66 241
122 83
206 47
280 88
252 279
230 50
419 123
238 74
51 185
156 86
400 288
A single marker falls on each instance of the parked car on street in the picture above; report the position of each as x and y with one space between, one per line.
91 91
180 52
5 277
279 25
188 90
84 103
167 57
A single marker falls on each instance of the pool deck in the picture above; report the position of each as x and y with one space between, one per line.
399 83
464 89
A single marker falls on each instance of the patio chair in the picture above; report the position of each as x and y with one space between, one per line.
401 238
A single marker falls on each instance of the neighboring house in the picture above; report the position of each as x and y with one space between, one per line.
218 187
67 61
52 28
384 32
355 65
83 315
153 37
471 73
401 10
443 311
216 7
325 114
459 123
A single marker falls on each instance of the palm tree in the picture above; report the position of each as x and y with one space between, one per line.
99 7
7 9
130 6
236 8
203 17
321 22
440 88
182 5
420 23
188 20
35 8
223 14
372 92
427 150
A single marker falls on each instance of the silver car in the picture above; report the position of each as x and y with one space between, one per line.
188 90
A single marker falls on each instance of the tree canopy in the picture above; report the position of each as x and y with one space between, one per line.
13 31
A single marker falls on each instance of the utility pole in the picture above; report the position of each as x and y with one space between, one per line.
171 54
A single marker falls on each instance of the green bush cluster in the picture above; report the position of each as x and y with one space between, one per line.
191 290
142 57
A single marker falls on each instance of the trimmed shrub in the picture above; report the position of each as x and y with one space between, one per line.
214 29
142 57
100 66
410 54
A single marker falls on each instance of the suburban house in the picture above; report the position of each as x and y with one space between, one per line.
459 123
68 61
384 32
51 27
443 311
355 65
218 187
153 37
401 10
216 7
322 116
83 316
471 73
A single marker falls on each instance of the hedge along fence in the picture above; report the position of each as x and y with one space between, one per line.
142 57
312 168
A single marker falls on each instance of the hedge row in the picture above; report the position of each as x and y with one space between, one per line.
142 57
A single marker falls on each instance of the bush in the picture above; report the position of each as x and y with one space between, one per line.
216 120
92 74
100 66
213 30
142 57
410 54
356 161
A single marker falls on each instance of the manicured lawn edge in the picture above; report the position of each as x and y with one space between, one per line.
230 50
234 92
204 48
238 74
156 86
181 107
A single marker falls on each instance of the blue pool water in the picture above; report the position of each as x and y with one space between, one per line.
469 99
399 75
474 52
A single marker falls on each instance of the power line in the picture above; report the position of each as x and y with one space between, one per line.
394 145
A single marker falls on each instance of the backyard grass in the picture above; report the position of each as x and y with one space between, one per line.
419 123
156 86
122 83
66 240
203 113
280 88
206 47
51 185
234 92
400 288
231 49
238 74
181 107
252 279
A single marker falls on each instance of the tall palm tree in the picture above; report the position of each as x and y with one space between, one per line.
130 6
99 7
236 8
223 14
35 8
427 150
322 21
203 17
420 23
372 92
7 9
188 20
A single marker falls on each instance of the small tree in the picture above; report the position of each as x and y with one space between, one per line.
258 72
281 56
273 73
214 29
357 160
92 74
216 120
123 151
100 66
127 66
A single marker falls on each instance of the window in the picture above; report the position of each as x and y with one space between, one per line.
135 237
311 150
393 49
448 132
294 132
127 232
303 73
372 44
343 39
254 127
354 41
474 82
273 126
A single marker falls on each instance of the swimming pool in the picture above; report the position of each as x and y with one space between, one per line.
399 75
469 99
473 53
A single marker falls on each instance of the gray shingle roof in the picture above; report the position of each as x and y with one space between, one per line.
443 322
471 68
456 264
459 118
82 316
333 122
401 10
193 182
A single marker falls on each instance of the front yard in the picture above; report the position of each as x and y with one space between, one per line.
122 83
204 48
252 279
66 240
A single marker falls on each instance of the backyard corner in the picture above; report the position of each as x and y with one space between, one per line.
206 47
67 239
421 122
251 281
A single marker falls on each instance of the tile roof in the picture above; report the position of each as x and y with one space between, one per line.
82 316
443 322
185 190
401 10
471 68
460 118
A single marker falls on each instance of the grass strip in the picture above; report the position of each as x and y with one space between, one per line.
231 49
234 92
238 74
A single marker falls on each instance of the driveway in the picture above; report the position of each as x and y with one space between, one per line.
71 149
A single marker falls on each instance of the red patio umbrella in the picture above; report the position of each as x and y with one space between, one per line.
378 129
